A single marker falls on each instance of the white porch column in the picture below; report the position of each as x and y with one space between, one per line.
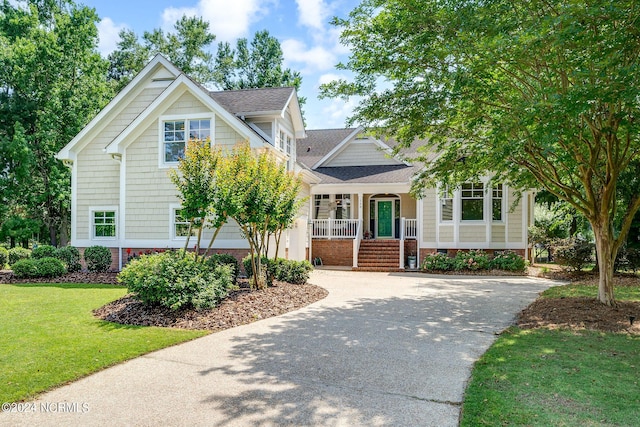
361 212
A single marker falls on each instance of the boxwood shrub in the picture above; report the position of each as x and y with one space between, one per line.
4 257
175 281
98 259
18 253
41 267
43 251
70 255
284 270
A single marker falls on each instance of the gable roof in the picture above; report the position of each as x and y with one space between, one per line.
156 64
268 101
320 142
382 174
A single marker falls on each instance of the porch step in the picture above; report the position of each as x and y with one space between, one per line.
379 255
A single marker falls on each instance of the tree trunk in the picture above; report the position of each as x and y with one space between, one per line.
606 256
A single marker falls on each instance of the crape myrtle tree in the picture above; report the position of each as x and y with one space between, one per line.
52 81
542 94
195 180
261 196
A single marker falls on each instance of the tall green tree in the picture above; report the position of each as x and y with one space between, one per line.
542 93
52 81
187 47
255 64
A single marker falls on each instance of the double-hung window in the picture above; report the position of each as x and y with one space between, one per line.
472 201
496 202
446 206
180 224
343 206
103 224
176 133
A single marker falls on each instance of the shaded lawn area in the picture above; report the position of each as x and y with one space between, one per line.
49 336
560 377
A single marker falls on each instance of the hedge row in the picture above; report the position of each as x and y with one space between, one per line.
474 261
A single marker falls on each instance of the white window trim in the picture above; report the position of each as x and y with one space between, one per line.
186 117
172 224
502 204
442 192
484 204
92 225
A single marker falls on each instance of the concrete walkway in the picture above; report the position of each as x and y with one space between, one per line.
381 350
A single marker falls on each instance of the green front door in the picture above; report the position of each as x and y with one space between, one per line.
385 219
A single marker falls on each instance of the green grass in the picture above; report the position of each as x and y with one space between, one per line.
553 377
622 293
50 337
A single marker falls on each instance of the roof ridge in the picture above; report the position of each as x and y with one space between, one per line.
252 89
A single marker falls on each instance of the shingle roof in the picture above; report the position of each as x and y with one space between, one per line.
318 143
366 174
253 100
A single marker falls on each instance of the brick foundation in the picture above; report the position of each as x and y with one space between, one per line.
333 252
239 254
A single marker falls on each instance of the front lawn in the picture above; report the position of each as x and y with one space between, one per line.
560 377
50 337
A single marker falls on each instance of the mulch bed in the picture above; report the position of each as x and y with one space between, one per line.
580 313
240 307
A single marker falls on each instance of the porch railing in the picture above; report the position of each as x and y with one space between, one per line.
334 228
409 229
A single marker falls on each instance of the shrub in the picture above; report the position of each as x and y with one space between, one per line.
4 257
50 267
438 262
472 260
268 267
176 281
18 253
43 251
225 259
98 259
508 261
290 271
573 253
25 268
70 255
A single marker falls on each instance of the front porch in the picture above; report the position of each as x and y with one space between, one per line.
342 242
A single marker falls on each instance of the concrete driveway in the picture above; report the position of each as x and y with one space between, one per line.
381 350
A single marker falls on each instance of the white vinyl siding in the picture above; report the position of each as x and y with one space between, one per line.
361 154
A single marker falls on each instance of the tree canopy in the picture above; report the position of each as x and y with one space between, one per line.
542 94
52 80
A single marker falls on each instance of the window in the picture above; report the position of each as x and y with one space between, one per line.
174 136
289 140
104 224
496 202
281 139
472 201
180 224
343 206
446 206
321 206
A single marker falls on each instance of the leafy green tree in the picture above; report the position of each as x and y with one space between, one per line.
261 198
254 65
195 179
539 93
52 81
187 48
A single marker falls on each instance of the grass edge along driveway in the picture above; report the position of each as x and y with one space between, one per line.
545 377
50 337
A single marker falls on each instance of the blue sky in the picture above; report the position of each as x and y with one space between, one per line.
310 44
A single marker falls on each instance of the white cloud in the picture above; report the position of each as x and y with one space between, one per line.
329 77
108 35
336 113
314 59
313 13
228 20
